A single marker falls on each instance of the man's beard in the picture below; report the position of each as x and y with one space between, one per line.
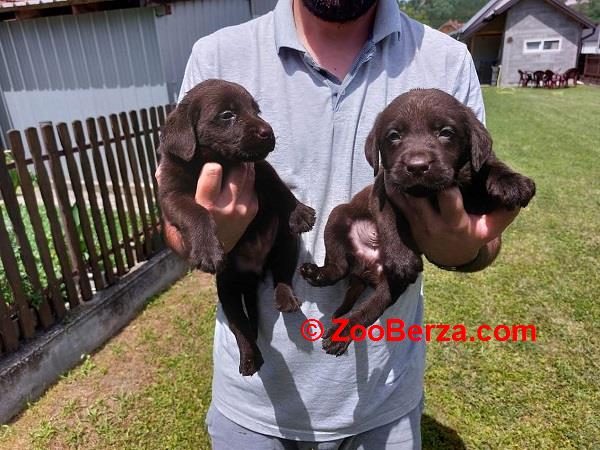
339 11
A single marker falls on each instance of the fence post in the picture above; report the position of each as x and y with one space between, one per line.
63 198
141 154
139 194
151 150
14 213
139 252
7 329
108 211
114 176
155 129
84 220
95 209
11 268
47 196
56 297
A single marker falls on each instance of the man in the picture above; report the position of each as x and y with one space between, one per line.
321 70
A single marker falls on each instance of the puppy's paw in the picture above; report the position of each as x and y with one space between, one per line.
285 300
336 344
313 274
250 363
302 219
405 267
208 258
309 271
511 190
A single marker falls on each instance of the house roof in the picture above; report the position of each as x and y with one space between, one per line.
494 8
17 4
590 43
20 5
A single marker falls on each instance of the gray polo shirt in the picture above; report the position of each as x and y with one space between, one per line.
321 124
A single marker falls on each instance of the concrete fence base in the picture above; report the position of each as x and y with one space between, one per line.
25 375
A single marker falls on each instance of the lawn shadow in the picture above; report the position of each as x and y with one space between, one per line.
436 436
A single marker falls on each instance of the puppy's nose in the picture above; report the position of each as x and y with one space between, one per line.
264 132
417 165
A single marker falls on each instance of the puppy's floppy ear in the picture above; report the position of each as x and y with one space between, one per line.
179 133
372 150
480 140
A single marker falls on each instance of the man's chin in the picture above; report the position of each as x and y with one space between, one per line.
340 11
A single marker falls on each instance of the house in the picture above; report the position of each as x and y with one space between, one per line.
523 35
451 26
62 60
590 55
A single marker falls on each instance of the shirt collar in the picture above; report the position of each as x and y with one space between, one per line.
387 22
285 27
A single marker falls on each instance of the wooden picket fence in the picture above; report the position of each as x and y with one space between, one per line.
75 215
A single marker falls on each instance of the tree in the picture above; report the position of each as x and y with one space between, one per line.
414 9
436 12
590 8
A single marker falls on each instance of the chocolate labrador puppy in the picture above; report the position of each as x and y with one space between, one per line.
219 121
428 141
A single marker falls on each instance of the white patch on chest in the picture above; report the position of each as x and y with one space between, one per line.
364 239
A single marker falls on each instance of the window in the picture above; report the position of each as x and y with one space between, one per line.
541 45
552 45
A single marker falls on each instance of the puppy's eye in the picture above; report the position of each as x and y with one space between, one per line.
446 132
393 136
227 115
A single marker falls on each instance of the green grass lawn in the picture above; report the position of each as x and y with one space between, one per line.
544 394
150 386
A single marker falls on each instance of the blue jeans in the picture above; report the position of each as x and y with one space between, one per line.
402 434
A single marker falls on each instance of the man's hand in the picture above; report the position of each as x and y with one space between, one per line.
452 237
232 204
